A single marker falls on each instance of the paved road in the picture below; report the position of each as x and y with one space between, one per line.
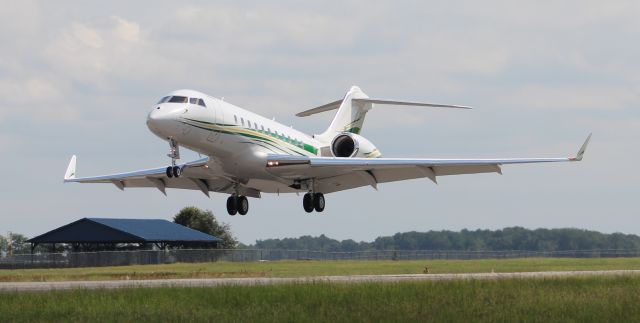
212 282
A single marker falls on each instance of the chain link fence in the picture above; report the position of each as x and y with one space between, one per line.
148 257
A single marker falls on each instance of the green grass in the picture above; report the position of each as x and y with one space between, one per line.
315 268
596 299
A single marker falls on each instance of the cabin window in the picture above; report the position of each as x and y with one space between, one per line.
242 120
179 99
235 117
262 128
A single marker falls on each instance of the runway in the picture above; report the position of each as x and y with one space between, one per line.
213 282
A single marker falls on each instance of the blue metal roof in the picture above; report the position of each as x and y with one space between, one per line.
155 229
123 230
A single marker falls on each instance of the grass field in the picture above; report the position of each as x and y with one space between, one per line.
599 299
316 268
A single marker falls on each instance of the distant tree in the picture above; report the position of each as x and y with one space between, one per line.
513 238
14 243
4 244
205 221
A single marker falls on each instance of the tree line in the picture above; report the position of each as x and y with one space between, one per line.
512 238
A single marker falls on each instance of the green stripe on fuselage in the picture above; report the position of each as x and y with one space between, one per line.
263 135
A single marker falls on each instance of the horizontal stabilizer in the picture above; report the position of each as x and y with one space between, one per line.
336 104
417 104
327 107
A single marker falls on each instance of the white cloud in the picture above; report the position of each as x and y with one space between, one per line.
100 67
85 36
125 30
38 97
593 97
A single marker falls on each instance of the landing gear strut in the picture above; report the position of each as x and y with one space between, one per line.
237 204
313 201
174 154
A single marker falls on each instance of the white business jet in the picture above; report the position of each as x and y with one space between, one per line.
248 154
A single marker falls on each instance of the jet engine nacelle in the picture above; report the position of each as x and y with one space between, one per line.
349 144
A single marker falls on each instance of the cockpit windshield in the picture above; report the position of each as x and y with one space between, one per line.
165 99
179 99
182 99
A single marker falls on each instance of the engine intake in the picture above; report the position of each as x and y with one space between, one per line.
344 145
348 145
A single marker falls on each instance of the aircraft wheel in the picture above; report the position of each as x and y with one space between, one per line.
307 202
169 172
243 205
232 205
318 202
176 171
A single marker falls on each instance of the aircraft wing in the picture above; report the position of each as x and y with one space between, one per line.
196 175
336 174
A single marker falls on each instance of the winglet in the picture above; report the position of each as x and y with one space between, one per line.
71 169
580 153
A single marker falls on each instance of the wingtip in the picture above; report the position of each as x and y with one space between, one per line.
583 149
70 174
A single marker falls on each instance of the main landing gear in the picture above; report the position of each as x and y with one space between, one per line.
174 154
313 201
237 204
173 171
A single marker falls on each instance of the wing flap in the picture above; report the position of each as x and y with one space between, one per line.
196 175
343 173
189 168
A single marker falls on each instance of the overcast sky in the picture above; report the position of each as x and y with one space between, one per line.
80 77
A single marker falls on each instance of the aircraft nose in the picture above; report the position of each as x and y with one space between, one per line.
161 121
154 118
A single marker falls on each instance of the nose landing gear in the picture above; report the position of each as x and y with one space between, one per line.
174 154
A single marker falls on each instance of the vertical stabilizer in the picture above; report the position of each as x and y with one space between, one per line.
350 115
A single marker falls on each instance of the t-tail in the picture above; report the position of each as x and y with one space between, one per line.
352 110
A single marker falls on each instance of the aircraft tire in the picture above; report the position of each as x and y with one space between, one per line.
318 202
243 205
169 172
307 202
232 205
176 171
